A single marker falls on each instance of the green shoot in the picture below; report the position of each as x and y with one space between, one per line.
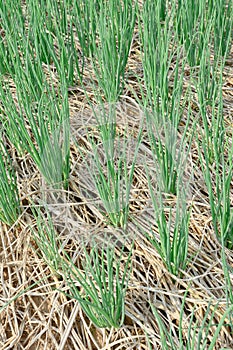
173 229
112 178
115 22
9 196
198 334
46 239
49 127
103 284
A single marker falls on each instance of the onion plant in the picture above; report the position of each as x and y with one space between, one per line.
171 242
36 117
47 137
203 22
9 196
12 30
219 188
191 27
46 239
165 175
111 168
199 333
103 277
85 14
155 53
165 170
164 99
52 37
103 281
222 25
169 151
215 148
115 20
159 53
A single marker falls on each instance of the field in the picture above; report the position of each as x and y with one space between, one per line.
116 174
